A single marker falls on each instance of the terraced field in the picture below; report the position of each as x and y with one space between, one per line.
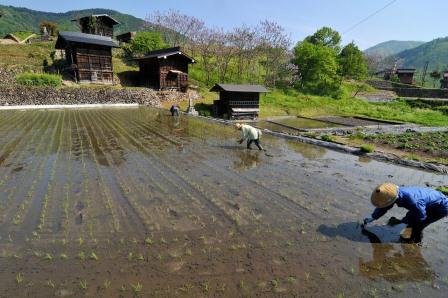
133 202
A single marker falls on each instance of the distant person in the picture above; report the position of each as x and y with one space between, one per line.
174 110
249 134
425 205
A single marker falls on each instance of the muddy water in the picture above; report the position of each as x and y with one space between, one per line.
126 202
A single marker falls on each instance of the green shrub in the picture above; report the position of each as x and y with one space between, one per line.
443 109
367 148
443 189
39 79
327 138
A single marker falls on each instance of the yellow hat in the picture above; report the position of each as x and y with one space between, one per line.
384 195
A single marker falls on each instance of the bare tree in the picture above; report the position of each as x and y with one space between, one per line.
274 44
177 28
224 52
245 40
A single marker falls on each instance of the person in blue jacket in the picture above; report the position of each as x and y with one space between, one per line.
425 206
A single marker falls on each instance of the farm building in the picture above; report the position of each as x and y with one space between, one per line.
238 101
126 37
165 69
89 56
97 24
405 75
444 81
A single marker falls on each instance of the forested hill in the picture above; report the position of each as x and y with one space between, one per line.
22 19
434 52
392 47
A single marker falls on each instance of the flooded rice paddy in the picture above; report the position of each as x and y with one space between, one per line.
129 202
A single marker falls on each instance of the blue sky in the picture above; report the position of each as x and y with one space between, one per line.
403 20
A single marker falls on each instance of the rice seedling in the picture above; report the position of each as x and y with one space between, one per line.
81 256
137 288
93 256
292 279
188 252
221 288
130 256
123 288
106 284
63 256
140 258
80 241
205 286
186 288
51 284
275 283
19 278
83 284
307 276
148 241
48 257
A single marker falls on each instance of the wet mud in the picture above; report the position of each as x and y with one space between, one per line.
134 202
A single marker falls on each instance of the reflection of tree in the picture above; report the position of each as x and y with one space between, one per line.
404 263
248 160
307 150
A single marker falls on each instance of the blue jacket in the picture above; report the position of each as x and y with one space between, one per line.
418 201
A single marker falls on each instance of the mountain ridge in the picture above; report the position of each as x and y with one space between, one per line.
23 19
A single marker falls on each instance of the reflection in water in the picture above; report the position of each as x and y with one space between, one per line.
364 159
248 160
390 261
395 263
306 150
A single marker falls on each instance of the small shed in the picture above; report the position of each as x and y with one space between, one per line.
126 37
406 75
89 56
97 24
444 81
238 101
165 69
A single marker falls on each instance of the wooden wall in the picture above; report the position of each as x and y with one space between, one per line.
94 64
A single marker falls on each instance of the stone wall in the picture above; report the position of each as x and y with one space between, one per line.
409 91
21 95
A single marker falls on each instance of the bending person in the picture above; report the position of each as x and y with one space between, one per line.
249 134
425 206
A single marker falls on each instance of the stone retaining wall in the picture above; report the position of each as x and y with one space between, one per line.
409 91
21 95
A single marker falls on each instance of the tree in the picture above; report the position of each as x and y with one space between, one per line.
274 45
352 63
51 27
145 42
318 68
326 37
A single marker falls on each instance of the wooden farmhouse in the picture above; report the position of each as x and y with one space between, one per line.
238 101
89 56
165 69
97 24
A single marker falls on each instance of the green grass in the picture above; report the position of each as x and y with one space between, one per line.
22 34
26 57
39 79
367 148
291 102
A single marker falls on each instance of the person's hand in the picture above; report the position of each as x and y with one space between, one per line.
393 221
366 221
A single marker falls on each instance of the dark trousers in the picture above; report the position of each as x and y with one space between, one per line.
256 142
432 215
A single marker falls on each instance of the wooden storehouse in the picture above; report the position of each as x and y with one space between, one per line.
97 24
405 75
126 37
444 81
89 56
165 69
238 101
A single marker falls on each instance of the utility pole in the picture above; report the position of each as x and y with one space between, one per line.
425 70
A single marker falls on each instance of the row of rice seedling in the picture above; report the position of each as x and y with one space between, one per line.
104 189
52 189
46 171
10 177
140 144
150 170
39 165
125 183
